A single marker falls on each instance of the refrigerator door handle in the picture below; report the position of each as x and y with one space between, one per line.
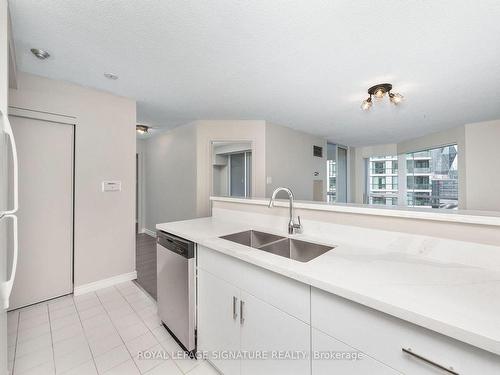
15 169
6 287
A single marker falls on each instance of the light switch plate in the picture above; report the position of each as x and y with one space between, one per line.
111 186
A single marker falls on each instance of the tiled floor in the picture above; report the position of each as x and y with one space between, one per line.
95 333
145 262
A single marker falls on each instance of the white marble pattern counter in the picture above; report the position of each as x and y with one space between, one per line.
453 216
450 287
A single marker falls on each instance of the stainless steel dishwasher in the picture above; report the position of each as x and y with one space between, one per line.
176 288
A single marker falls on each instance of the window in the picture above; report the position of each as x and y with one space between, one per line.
383 180
332 180
432 178
429 179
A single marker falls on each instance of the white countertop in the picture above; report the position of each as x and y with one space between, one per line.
456 216
419 281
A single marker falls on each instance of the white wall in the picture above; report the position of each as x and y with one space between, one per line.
290 161
105 143
178 167
170 176
482 165
179 171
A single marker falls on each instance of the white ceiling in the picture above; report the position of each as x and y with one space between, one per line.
303 63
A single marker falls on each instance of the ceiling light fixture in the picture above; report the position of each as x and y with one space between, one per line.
112 76
367 104
379 91
142 129
40 53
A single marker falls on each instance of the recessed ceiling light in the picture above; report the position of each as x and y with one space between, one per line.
111 76
40 53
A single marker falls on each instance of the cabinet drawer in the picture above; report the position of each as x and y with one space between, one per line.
281 292
324 361
383 337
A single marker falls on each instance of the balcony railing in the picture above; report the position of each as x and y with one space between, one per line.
384 187
383 171
419 170
419 187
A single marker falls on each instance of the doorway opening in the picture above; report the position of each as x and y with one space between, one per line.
232 169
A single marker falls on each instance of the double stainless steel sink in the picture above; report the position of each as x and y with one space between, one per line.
291 248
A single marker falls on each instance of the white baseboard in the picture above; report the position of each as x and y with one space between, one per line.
149 232
100 284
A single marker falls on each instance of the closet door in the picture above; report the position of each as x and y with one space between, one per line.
45 216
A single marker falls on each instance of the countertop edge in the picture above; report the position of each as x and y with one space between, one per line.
374 211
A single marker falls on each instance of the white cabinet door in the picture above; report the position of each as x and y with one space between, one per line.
218 321
266 329
332 357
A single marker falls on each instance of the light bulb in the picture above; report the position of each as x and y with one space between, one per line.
366 105
396 98
379 93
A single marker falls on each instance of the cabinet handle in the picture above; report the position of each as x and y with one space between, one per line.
242 318
235 312
449 370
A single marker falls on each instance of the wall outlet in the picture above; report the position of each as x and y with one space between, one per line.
111 186
269 180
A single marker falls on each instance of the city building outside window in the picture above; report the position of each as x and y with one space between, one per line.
332 181
383 180
431 179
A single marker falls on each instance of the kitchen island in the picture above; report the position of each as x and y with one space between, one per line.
408 303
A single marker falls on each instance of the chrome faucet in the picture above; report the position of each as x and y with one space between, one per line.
292 226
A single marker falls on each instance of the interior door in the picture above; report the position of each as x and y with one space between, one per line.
45 216
267 329
218 320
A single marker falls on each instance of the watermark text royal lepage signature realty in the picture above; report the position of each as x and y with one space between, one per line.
286 355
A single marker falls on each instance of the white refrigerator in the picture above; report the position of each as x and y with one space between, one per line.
8 192
8 227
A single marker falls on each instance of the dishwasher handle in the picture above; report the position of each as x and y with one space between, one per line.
175 244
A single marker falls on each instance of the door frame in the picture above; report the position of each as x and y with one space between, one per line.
64 120
211 142
141 191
